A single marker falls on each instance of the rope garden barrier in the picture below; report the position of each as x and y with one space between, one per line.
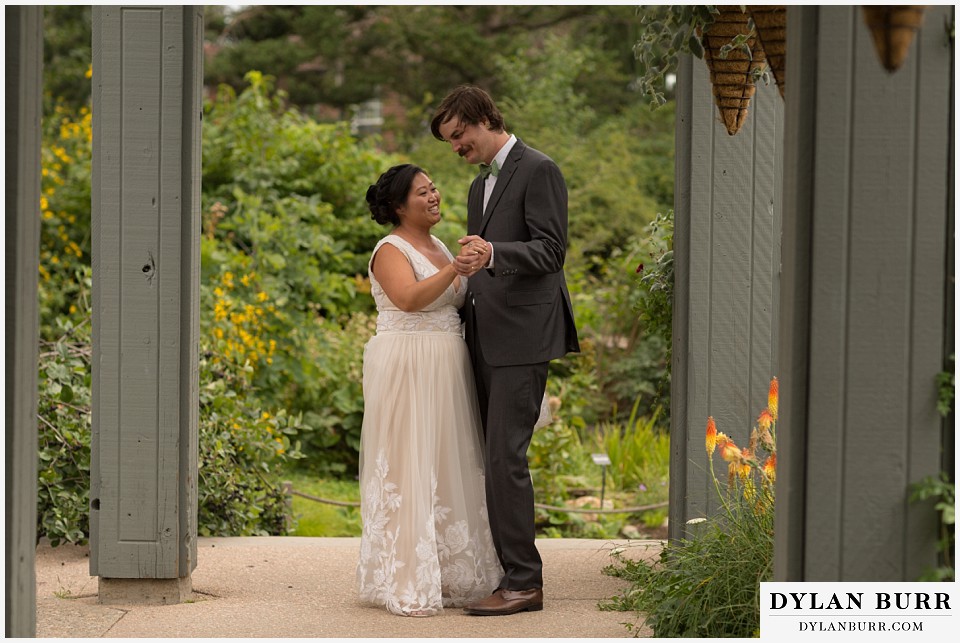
626 510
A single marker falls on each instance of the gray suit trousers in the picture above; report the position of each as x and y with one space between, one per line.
509 398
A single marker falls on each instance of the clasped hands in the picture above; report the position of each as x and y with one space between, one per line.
474 255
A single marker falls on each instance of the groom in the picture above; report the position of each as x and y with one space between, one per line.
518 317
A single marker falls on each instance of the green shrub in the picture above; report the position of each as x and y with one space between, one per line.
63 491
708 583
242 446
329 392
943 492
242 450
64 214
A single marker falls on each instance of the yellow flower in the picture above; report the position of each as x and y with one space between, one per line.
245 280
262 296
73 309
89 72
44 204
265 416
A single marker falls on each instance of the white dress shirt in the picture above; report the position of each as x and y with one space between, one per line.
491 181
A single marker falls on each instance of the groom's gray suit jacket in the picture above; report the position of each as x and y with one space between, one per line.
522 305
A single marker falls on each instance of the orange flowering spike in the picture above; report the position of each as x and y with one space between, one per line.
765 420
711 435
773 398
770 467
730 451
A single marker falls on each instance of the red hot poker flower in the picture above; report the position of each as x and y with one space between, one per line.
770 467
773 398
711 440
765 420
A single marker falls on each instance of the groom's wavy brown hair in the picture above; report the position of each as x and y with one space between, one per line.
471 105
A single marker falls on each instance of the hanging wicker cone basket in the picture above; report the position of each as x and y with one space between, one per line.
771 22
731 77
893 29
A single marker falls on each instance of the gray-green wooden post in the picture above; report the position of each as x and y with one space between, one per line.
24 60
867 210
726 292
147 79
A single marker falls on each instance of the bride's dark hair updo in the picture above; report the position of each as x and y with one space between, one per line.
390 192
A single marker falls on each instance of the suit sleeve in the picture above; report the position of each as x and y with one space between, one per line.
545 216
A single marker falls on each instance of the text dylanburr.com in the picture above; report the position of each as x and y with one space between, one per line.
866 611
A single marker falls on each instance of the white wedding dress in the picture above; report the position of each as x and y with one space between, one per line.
426 540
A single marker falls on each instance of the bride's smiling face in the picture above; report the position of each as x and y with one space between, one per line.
422 207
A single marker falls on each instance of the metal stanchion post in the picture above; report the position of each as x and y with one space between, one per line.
603 460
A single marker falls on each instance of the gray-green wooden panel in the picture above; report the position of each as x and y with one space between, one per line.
190 287
726 295
933 109
876 300
138 204
798 189
23 48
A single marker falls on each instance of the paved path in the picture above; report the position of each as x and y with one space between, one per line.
304 587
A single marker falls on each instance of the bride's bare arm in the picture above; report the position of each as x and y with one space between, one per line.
395 275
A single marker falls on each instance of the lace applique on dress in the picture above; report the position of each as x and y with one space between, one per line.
455 564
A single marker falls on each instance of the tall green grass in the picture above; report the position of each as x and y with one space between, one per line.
639 454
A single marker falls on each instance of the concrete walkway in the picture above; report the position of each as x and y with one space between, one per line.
304 587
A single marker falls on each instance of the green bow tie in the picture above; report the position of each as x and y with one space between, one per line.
487 170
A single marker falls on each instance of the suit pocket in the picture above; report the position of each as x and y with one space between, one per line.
531 297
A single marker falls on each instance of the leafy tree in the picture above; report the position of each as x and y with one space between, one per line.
342 55
67 35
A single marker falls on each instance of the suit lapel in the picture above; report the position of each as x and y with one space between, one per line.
503 180
474 206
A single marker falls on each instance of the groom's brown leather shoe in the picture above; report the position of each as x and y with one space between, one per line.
507 601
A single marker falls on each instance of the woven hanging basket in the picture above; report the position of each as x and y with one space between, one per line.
893 28
771 22
731 77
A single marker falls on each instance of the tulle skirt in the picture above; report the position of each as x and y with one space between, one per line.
426 539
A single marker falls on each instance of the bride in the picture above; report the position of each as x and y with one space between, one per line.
426 540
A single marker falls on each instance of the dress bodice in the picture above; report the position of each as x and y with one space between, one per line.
438 316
